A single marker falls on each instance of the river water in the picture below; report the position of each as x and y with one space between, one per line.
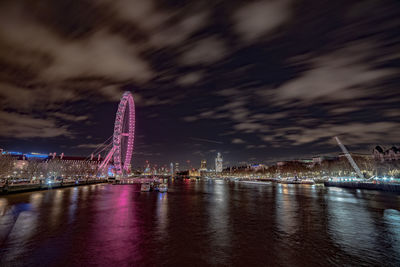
200 223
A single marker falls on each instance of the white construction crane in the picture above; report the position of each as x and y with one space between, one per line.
348 156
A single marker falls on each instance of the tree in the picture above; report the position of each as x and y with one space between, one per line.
6 166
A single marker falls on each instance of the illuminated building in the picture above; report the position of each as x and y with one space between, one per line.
381 154
147 170
203 165
31 165
194 173
218 163
176 167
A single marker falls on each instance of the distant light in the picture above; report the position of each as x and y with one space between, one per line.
36 155
14 153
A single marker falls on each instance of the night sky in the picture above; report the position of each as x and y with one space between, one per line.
257 81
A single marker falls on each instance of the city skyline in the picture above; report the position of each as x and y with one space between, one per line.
254 87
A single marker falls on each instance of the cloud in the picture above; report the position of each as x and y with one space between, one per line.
141 100
251 127
179 32
103 54
163 27
256 19
142 13
91 146
205 51
343 110
206 140
15 125
238 141
112 92
189 79
353 133
392 113
345 74
69 117
228 92
12 96
100 54
190 118
38 97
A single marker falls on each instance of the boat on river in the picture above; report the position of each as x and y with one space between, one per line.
253 182
163 188
145 187
296 181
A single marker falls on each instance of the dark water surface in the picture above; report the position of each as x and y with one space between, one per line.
198 224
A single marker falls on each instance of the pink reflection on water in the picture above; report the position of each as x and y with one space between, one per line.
115 231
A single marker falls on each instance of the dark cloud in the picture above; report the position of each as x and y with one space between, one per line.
14 125
256 19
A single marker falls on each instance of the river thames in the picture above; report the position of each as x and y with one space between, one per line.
200 223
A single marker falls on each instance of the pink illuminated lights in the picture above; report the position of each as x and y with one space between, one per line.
121 164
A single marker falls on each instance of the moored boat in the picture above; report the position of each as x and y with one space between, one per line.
162 188
145 187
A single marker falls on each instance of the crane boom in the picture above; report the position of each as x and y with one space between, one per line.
349 158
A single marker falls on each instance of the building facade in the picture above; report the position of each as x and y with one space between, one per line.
218 163
381 154
203 165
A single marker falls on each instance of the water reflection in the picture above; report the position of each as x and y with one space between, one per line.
218 210
162 214
36 199
391 218
73 204
3 206
20 227
200 223
286 209
115 223
56 209
350 223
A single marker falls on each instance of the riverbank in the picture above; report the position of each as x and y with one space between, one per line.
362 185
25 187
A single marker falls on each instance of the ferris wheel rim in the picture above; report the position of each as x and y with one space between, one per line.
121 165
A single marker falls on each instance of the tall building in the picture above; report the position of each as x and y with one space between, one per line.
171 167
218 163
203 165
176 167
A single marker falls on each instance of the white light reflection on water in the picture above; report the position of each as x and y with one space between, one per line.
3 206
218 211
36 199
84 190
286 209
392 220
73 200
162 214
350 223
21 226
56 207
